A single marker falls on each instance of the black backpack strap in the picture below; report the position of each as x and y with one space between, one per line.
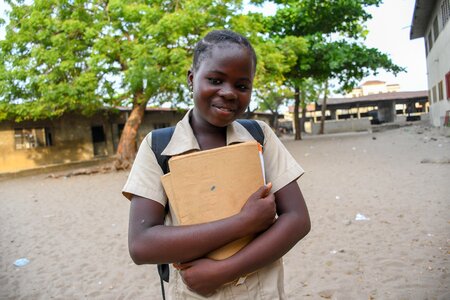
160 138
254 129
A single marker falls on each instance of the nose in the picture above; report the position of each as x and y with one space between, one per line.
227 92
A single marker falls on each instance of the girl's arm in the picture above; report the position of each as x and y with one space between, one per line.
152 242
204 276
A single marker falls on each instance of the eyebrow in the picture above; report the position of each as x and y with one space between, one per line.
224 74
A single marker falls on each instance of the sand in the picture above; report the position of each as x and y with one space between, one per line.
73 230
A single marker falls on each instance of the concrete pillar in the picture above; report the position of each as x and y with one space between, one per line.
333 114
386 111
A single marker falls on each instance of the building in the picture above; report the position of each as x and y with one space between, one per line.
373 87
431 22
379 107
72 138
360 112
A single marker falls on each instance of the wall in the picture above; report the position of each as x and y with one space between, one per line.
339 126
71 141
438 64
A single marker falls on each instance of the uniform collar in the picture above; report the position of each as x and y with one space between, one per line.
183 139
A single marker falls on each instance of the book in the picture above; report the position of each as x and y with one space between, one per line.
210 185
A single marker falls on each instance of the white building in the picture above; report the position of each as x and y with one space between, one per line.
431 21
373 87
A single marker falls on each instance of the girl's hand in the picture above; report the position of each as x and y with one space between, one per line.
260 209
202 276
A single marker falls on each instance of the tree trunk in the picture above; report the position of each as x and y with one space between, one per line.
303 105
275 121
324 108
298 130
127 148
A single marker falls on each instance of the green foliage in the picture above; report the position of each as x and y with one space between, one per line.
81 55
334 31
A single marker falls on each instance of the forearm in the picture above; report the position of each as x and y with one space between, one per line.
167 244
152 242
284 233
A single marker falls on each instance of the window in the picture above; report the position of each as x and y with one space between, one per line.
430 41
447 85
441 90
29 138
445 11
435 28
434 94
431 100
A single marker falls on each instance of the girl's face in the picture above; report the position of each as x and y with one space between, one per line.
222 84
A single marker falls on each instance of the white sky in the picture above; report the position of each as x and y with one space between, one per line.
389 32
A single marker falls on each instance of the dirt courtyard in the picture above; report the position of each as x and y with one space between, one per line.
379 205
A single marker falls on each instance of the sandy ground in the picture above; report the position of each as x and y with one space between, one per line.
74 230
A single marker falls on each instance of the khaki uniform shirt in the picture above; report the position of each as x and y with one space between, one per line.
280 169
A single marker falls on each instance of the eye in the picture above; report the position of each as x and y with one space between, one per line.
243 87
214 81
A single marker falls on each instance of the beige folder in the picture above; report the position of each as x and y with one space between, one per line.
214 184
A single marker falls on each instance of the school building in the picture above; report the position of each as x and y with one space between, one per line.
71 138
431 22
374 102
76 139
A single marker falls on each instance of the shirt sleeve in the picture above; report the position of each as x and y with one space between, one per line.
144 179
280 167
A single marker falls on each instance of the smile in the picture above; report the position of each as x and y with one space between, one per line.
224 108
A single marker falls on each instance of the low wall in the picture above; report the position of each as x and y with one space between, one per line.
338 126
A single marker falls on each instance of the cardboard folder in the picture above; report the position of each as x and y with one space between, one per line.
214 184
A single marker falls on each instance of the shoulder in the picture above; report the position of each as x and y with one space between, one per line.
269 134
264 126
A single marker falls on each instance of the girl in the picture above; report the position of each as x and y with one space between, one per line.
221 79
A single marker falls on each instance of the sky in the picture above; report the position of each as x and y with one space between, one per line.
389 32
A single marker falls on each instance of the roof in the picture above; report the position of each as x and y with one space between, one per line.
373 82
421 16
373 99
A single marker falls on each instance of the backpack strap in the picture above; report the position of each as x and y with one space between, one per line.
160 138
254 129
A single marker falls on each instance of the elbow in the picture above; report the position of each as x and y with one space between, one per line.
304 227
136 253
140 253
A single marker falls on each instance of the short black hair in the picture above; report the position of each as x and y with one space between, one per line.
215 37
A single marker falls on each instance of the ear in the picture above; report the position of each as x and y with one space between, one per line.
190 77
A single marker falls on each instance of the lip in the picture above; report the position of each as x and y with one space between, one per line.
224 108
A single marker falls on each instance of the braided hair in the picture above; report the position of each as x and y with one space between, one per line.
204 46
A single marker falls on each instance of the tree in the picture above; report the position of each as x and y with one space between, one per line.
271 98
44 62
334 32
82 55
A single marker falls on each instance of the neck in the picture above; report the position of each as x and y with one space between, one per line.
201 126
208 136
